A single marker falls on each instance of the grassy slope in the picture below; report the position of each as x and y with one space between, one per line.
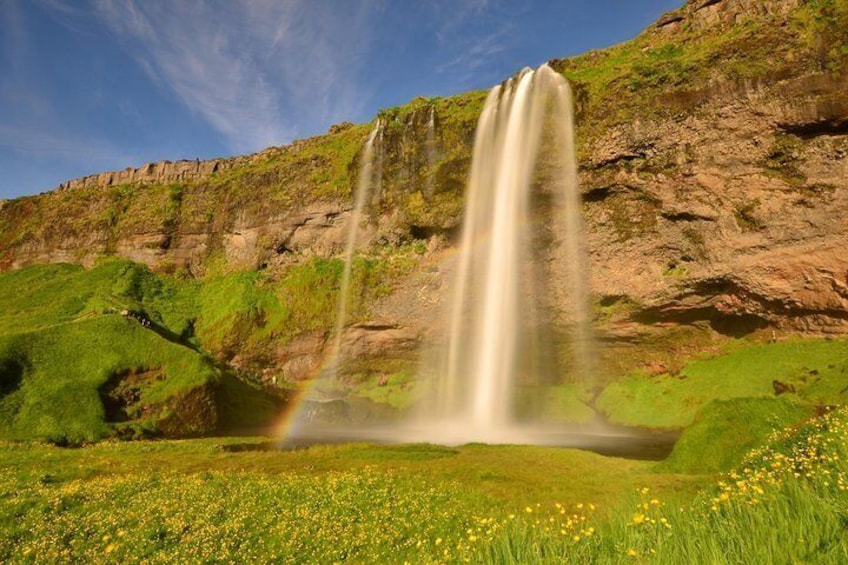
63 367
725 430
818 369
62 337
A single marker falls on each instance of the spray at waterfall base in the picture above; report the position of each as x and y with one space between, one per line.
522 221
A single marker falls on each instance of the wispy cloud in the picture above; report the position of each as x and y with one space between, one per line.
249 68
473 33
456 14
476 52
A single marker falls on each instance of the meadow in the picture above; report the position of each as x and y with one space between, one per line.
236 500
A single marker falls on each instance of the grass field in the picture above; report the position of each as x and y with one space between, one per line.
230 501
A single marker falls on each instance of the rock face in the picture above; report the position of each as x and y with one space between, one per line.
733 209
149 173
713 168
194 414
708 14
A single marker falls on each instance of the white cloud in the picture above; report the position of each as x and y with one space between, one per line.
249 68
476 52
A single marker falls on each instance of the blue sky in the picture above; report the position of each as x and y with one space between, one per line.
94 85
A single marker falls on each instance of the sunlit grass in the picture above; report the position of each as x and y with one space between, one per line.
186 502
816 369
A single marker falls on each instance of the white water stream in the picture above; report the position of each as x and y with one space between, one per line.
493 311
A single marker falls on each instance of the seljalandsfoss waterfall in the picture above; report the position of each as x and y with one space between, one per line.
499 346
498 329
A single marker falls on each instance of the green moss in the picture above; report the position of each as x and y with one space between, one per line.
561 404
674 270
607 308
745 217
823 26
399 390
783 159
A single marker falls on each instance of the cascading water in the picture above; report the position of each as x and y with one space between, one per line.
494 313
431 152
368 187
499 324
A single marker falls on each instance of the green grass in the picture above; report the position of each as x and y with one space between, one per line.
203 501
725 430
563 404
190 501
785 503
62 335
817 369
64 366
399 390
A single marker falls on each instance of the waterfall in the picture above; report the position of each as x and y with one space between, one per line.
368 187
522 224
494 315
430 144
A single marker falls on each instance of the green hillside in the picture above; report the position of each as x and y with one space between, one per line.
91 353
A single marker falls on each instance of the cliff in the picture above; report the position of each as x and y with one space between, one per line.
712 153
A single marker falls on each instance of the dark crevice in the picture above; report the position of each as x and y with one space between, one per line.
621 158
738 326
685 217
601 193
11 376
426 232
834 127
613 299
376 327
706 4
598 194
730 325
121 393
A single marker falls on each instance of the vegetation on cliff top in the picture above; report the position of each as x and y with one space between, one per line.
660 72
